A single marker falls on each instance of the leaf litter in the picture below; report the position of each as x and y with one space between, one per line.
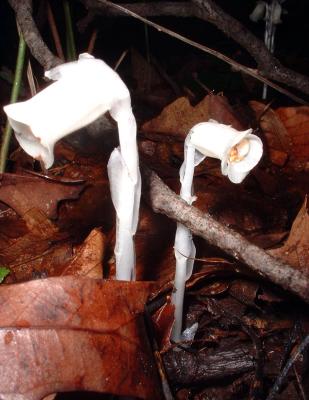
247 327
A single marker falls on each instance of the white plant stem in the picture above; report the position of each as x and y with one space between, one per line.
184 247
125 185
239 152
83 91
270 31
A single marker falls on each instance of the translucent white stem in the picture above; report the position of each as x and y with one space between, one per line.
124 253
125 185
184 247
184 253
270 31
126 198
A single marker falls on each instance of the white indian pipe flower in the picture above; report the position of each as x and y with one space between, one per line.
126 199
259 11
184 247
83 91
239 152
276 13
271 12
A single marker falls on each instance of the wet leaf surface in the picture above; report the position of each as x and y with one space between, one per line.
70 333
247 328
45 192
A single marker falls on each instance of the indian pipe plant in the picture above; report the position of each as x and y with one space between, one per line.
239 152
84 90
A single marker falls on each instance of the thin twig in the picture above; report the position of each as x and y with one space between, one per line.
281 378
31 34
158 359
30 78
220 56
121 58
267 63
54 31
165 201
92 41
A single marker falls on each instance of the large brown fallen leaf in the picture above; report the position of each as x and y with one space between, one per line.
295 250
73 333
178 117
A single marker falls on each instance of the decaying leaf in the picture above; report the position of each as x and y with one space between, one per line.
178 117
277 137
296 122
73 333
295 250
286 132
88 257
24 192
37 249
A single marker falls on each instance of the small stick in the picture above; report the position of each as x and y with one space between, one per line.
30 78
220 56
54 31
163 200
281 378
121 58
92 41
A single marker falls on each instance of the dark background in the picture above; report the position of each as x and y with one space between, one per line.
120 33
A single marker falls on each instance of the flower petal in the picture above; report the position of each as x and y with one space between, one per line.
84 90
258 12
253 157
234 175
211 138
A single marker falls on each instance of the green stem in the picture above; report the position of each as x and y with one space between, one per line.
71 50
14 96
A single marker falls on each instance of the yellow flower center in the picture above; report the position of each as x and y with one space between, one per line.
239 151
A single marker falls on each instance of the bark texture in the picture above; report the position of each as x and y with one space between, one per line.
163 200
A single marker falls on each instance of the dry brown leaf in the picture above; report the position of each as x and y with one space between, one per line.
180 116
295 250
37 250
163 321
24 192
73 333
277 137
43 251
144 74
88 257
296 122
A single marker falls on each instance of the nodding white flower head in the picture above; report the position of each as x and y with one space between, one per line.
276 14
84 90
259 11
239 152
